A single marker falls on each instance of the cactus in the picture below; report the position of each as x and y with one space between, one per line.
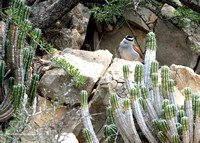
33 87
157 104
149 57
130 122
175 138
86 116
111 119
139 117
197 122
27 59
120 119
162 137
172 95
164 127
189 111
127 79
185 126
139 75
164 80
148 104
170 119
87 136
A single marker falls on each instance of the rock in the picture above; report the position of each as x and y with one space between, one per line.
43 118
73 36
70 31
173 45
111 82
51 119
135 19
67 138
148 16
92 65
184 77
111 40
168 11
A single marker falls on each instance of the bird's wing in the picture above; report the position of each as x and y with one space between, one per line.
138 50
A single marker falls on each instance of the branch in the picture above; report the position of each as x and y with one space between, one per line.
191 5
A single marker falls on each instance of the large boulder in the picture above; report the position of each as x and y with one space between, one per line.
173 45
185 77
91 65
70 30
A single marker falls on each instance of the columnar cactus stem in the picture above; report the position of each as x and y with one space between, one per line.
197 123
2 73
111 119
139 75
86 116
150 108
195 97
127 78
157 104
171 122
164 80
33 87
172 94
162 137
130 122
185 126
154 69
175 113
156 125
27 59
139 117
149 57
175 138
179 128
189 111
18 95
120 119
11 82
110 130
164 127
87 136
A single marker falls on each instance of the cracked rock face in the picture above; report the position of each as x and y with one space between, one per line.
184 77
92 65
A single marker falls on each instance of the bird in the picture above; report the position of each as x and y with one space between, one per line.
128 51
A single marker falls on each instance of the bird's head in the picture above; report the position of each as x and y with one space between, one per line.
129 39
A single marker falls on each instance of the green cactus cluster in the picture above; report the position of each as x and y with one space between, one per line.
15 87
153 105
